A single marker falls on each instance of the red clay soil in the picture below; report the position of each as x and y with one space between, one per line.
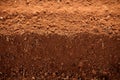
59 40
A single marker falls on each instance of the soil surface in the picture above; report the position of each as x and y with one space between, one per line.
59 40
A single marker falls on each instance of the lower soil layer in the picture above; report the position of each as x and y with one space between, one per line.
54 57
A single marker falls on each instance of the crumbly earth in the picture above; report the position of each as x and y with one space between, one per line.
59 40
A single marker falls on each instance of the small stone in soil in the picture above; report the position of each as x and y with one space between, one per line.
1 18
54 74
93 71
80 64
67 77
74 79
0 72
33 78
45 74
63 75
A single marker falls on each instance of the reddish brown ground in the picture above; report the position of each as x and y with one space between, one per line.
59 40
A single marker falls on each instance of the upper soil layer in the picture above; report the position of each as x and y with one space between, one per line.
63 17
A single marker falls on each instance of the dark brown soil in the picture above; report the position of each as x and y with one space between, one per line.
59 40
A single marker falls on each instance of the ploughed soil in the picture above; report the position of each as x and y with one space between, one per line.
59 39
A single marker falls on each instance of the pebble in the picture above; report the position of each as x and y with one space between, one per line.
80 64
74 79
105 72
1 18
0 72
63 75
33 78
93 71
7 39
67 77
62 64
45 74
54 74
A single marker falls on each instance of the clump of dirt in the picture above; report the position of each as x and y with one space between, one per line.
59 40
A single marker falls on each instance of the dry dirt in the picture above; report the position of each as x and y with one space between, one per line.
59 40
